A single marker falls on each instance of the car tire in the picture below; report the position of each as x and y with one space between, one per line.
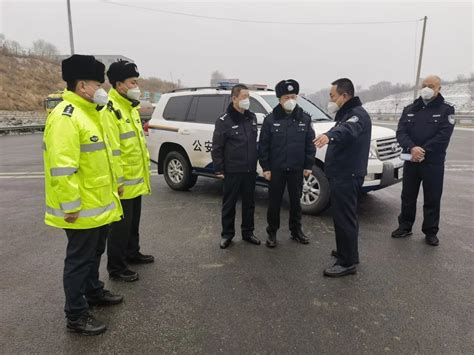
316 192
178 172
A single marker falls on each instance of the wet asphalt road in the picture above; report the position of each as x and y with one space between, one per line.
406 298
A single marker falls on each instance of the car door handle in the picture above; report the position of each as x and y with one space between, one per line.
184 131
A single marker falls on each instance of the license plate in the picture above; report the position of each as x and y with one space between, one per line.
399 173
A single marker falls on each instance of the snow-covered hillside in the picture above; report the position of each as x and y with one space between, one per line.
461 95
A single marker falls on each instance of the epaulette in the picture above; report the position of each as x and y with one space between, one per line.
68 110
222 118
110 106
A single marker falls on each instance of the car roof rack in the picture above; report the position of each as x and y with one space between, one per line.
251 87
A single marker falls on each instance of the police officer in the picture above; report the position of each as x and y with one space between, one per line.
346 166
286 154
424 131
234 155
133 165
81 188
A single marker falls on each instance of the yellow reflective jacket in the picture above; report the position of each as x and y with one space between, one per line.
132 159
78 166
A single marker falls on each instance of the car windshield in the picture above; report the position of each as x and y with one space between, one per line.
316 113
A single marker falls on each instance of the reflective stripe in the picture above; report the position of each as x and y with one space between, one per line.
70 205
62 171
120 179
92 147
133 182
83 213
116 152
128 135
44 146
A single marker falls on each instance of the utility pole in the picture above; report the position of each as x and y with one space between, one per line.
415 91
71 38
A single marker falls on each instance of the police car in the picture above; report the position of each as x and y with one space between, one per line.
180 141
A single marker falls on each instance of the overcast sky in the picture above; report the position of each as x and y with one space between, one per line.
189 48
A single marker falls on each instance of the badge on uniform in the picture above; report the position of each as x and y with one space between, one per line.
276 124
290 87
127 120
235 127
452 119
353 119
68 110
94 139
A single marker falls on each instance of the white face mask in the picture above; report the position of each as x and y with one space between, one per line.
289 105
426 93
100 97
244 104
134 93
332 107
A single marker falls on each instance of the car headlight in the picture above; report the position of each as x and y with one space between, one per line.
373 150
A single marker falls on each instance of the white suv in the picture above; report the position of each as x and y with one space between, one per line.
180 142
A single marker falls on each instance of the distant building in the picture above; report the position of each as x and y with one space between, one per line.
216 82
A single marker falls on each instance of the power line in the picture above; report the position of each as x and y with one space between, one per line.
229 19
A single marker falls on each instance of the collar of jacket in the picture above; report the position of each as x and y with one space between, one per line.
280 113
78 101
418 104
349 105
114 95
236 115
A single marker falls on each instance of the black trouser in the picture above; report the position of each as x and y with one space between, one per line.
345 194
238 185
432 176
81 268
124 238
293 180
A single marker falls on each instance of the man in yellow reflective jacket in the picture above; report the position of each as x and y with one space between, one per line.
132 162
82 192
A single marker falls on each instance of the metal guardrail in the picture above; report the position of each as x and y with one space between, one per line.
466 119
461 118
21 128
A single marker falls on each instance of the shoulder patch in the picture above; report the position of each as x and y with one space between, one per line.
68 110
452 119
353 119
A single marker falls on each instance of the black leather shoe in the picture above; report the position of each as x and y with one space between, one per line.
335 254
107 299
339 271
86 324
252 240
126 276
401 233
225 243
271 240
432 240
300 237
141 259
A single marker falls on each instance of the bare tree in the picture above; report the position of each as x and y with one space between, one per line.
216 76
44 49
13 47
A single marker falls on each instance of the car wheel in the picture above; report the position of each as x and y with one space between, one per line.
316 192
178 173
